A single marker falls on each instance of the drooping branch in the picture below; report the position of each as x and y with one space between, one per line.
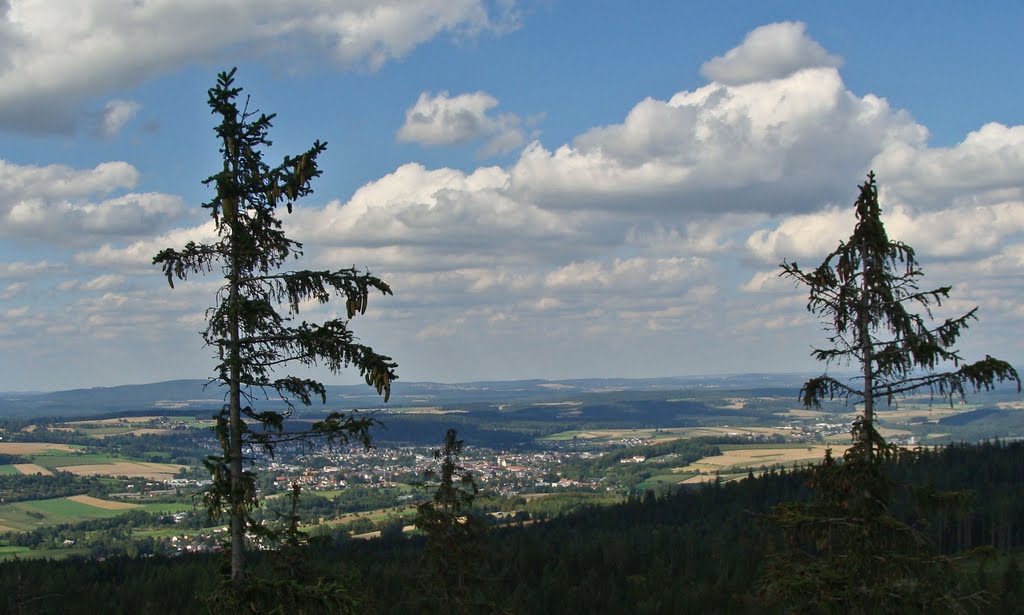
982 375
296 287
193 258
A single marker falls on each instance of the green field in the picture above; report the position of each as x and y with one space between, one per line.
378 515
330 494
42 553
156 423
167 532
9 470
660 481
67 459
69 509
327 493
167 507
38 513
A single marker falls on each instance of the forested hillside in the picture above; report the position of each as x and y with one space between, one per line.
698 550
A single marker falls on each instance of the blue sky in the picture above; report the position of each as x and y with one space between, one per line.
554 188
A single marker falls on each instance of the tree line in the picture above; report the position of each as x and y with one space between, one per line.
698 550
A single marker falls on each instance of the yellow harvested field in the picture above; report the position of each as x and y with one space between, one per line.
432 410
888 432
665 434
368 535
698 479
152 471
104 504
693 432
4 528
120 421
802 413
134 432
31 468
32 448
741 459
931 413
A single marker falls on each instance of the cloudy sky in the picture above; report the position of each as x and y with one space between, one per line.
554 188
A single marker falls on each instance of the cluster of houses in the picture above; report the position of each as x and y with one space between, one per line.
149 489
504 472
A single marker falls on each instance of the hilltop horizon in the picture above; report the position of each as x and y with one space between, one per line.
680 379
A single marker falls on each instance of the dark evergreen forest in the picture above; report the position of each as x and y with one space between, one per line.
699 550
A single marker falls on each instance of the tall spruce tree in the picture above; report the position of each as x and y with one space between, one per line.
452 581
845 550
865 291
254 323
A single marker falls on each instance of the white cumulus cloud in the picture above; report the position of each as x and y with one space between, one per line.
989 159
21 270
773 51
116 114
442 119
104 282
952 232
12 290
57 56
788 144
137 255
56 203
62 182
445 209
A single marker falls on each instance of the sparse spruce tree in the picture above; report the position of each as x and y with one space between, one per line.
254 323
451 560
845 550
292 586
865 291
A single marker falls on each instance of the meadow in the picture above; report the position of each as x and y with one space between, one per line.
31 468
54 461
31 514
24 553
88 500
652 435
136 425
45 459
22 516
34 448
141 469
736 461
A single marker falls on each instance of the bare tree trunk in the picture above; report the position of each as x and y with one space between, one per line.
231 211
866 350
235 457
